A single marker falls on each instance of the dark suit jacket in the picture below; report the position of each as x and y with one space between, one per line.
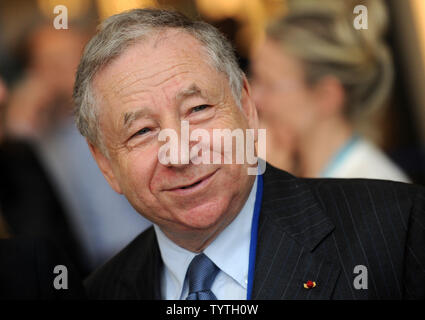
29 203
309 229
27 271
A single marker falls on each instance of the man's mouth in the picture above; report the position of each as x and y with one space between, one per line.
195 186
192 185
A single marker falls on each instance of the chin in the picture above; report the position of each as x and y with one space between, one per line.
205 216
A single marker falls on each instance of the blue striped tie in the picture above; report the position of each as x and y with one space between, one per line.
201 274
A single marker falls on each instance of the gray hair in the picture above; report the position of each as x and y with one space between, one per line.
119 32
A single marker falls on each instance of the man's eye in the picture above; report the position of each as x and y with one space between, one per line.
142 131
200 108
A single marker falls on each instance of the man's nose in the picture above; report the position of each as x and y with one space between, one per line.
181 142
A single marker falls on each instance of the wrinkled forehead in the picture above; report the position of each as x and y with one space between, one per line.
157 46
156 55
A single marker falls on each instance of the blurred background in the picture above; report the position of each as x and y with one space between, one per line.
50 186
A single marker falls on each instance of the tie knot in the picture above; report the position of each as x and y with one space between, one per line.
201 274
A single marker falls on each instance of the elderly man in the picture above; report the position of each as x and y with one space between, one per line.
219 232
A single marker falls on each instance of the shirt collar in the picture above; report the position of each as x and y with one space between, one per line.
230 250
231 245
176 260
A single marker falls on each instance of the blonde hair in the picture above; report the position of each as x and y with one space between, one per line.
322 35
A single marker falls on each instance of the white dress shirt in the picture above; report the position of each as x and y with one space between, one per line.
229 251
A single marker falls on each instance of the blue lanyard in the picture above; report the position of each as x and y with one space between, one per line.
340 156
254 234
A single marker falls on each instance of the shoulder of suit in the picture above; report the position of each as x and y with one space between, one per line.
378 194
127 261
361 183
336 191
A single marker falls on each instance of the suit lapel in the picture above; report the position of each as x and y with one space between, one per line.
141 280
149 280
292 246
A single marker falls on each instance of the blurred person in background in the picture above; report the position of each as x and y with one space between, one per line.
316 80
4 233
30 220
29 205
40 110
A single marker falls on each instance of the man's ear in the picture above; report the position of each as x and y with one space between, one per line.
105 166
248 105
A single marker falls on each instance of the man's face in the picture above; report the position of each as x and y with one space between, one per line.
152 86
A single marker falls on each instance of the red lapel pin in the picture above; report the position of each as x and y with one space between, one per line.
309 284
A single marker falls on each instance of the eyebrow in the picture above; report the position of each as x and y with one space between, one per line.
131 116
193 90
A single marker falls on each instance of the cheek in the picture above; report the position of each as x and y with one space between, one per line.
137 169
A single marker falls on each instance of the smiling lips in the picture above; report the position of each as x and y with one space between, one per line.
193 187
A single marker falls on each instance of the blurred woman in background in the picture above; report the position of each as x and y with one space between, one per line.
316 80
